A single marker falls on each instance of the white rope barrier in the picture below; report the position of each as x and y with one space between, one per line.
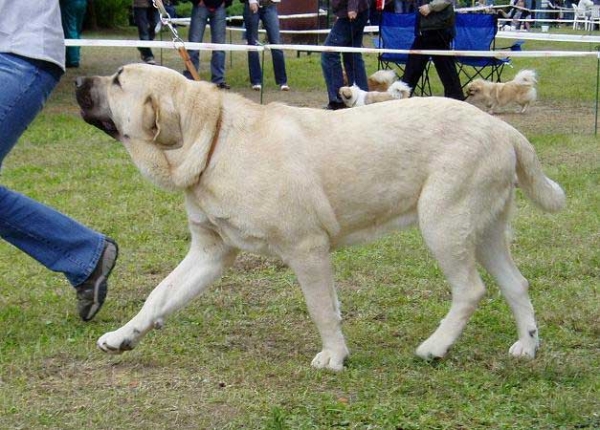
158 44
186 21
321 48
555 37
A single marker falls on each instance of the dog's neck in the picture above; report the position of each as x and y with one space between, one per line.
213 144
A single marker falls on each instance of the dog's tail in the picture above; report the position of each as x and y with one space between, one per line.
383 77
543 191
526 77
399 90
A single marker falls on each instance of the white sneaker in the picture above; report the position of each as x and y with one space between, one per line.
257 87
284 87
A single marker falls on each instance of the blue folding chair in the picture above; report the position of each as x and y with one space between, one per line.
397 31
477 32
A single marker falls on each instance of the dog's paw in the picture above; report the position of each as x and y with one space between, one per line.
115 343
521 349
328 359
431 350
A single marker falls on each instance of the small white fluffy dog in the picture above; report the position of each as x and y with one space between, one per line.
521 90
353 96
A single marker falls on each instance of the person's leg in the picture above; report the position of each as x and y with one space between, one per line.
53 239
50 237
153 17
415 66
446 66
198 22
348 63
140 17
61 244
330 61
218 33
251 21
72 14
270 19
357 28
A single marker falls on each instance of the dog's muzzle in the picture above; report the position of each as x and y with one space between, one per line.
92 111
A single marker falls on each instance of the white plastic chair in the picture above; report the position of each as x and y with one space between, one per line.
594 18
579 17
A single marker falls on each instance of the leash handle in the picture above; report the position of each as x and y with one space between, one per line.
188 62
166 20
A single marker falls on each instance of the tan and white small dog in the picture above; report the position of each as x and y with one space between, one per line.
521 90
353 96
381 80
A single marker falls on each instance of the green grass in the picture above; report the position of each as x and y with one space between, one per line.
238 357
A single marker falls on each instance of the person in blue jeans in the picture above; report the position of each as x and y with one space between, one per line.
211 12
72 15
29 71
265 11
146 17
347 31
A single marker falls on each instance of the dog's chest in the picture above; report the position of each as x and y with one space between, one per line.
236 231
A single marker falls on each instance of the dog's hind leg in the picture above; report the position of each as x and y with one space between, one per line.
494 255
205 262
312 266
447 233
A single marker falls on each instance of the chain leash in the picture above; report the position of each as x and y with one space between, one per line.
178 43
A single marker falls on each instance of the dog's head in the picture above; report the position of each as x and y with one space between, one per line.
349 95
166 122
477 90
136 103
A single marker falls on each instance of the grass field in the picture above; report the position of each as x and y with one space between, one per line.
238 357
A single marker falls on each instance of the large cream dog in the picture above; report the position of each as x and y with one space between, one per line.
298 183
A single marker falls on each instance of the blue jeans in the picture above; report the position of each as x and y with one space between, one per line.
201 15
53 239
146 19
270 19
345 33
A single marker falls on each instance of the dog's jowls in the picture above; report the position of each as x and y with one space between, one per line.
298 183
521 91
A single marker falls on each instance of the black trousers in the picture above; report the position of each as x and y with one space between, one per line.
444 65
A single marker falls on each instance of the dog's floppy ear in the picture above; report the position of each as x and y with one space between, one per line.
164 124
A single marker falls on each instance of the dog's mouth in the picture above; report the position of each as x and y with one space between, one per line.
90 111
107 125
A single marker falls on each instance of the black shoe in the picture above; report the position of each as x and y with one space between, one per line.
223 86
92 292
149 60
335 106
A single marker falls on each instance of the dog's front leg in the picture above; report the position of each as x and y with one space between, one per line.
315 274
205 262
